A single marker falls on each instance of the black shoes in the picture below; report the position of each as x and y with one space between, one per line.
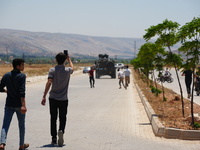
54 141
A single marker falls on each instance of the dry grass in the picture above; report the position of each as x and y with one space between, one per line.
169 111
31 70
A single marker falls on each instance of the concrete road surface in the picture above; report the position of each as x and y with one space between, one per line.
100 118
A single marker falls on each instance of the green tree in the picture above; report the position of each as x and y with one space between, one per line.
159 64
136 63
189 35
147 57
166 33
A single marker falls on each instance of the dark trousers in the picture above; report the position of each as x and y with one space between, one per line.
92 81
58 108
188 85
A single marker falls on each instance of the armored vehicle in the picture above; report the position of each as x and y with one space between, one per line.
105 66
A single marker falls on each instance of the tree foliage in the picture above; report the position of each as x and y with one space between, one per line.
165 31
189 35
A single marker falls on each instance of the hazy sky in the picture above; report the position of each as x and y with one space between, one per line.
113 18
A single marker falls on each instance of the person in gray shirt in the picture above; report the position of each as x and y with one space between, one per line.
58 80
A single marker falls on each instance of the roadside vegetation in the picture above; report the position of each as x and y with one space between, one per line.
168 111
159 55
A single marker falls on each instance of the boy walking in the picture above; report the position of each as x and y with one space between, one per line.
121 78
58 80
14 82
127 73
91 77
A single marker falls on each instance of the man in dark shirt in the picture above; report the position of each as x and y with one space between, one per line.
91 77
14 82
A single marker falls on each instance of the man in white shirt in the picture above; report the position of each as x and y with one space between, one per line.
127 73
121 78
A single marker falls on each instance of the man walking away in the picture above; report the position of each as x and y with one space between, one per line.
121 78
127 73
188 80
91 77
14 82
58 80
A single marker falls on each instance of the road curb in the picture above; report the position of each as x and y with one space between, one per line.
159 129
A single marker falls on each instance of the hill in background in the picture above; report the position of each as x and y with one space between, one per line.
41 43
17 42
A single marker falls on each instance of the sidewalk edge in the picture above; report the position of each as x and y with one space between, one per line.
159 129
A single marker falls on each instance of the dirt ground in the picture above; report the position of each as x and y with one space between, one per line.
30 70
169 111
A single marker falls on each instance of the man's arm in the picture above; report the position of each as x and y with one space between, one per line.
22 84
70 63
2 85
23 108
47 87
183 74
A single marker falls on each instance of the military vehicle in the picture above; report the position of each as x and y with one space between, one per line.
105 66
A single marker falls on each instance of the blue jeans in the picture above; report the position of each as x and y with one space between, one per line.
8 114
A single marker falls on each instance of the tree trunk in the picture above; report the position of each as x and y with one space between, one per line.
192 99
155 79
183 112
163 91
181 91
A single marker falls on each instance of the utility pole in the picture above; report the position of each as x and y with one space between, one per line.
134 49
7 52
115 57
23 56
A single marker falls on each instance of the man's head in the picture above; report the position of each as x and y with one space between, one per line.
60 58
18 64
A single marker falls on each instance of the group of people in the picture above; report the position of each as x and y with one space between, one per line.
124 75
121 76
15 83
57 83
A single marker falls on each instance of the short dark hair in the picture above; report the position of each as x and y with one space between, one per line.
60 58
17 62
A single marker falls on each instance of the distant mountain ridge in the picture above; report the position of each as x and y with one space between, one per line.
42 43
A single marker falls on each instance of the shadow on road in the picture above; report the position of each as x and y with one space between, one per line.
50 145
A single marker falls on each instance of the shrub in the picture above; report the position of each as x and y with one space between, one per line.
155 90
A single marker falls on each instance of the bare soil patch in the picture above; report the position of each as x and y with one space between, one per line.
169 111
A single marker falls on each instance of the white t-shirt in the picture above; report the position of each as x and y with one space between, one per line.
127 72
120 74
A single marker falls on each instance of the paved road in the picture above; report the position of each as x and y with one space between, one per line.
101 118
